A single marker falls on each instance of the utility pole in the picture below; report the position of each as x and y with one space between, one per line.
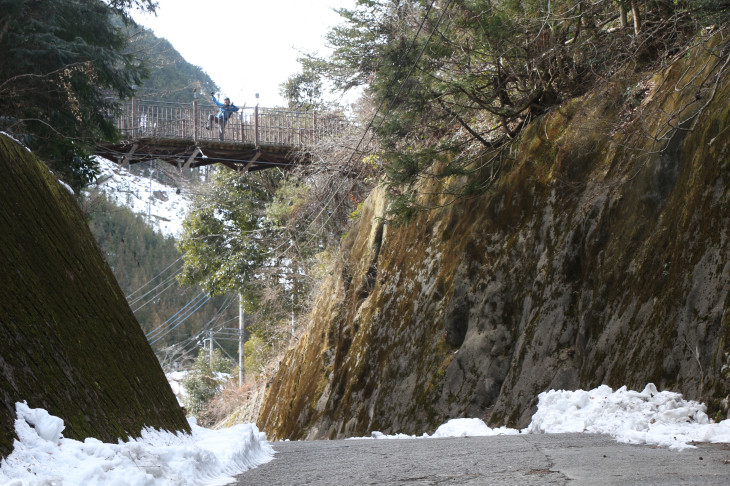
210 350
241 327
149 202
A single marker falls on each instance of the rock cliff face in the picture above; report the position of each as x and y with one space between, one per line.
70 343
601 256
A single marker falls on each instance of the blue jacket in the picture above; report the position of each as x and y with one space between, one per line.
225 111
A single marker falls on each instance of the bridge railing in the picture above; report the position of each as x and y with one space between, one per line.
155 119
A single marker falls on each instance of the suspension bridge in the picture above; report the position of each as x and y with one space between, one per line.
253 138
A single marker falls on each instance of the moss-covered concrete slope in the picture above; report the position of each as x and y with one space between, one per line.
70 343
601 256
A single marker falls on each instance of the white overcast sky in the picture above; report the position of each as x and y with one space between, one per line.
246 46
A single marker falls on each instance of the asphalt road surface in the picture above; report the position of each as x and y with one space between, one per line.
553 459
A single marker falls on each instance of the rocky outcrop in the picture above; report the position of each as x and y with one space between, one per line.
601 256
70 343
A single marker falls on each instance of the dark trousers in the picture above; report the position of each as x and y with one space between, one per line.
221 122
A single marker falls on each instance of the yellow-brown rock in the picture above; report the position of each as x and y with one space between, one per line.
601 255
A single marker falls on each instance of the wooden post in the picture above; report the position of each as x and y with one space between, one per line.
241 338
243 127
195 121
134 117
314 131
256 124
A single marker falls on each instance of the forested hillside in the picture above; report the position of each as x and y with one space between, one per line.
146 264
169 76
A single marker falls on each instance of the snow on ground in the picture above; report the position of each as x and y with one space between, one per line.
647 417
175 379
42 456
163 204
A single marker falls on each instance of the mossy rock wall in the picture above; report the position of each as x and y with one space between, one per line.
601 257
70 343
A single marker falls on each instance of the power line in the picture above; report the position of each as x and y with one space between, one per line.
186 306
153 278
208 325
183 313
183 319
194 339
165 281
152 299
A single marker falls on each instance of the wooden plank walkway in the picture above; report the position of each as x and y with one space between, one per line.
253 139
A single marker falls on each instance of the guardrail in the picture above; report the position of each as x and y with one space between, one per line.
270 126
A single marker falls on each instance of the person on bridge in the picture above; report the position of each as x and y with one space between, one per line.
226 109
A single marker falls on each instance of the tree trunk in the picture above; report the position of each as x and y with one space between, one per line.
636 15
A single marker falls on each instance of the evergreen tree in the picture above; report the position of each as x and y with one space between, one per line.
239 236
225 233
454 82
63 69
205 380
303 91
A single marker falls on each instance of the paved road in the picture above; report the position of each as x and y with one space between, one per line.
574 459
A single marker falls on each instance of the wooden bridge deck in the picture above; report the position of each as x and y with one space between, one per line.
254 138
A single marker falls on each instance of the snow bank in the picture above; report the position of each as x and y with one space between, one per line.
647 417
470 427
175 379
41 456
461 427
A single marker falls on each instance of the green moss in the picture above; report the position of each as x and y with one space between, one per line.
70 342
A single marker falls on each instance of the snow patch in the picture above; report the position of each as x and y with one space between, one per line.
649 417
15 140
163 206
41 455
68 188
470 427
